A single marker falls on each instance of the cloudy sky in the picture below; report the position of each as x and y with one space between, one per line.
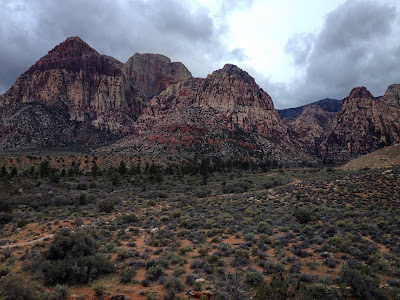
299 51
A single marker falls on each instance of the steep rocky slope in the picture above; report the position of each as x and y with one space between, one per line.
153 73
311 126
94 87
76 96
363 124
46 125
225 113
96 90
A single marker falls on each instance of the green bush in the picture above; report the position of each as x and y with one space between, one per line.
363 283
106 206
127 275
13 287
81 186
303 215
282 287
99 290
72 258
253 277
173 284
61 292
82 199
21 223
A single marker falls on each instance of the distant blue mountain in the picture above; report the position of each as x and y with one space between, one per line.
331 105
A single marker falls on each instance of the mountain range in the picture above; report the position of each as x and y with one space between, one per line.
76 98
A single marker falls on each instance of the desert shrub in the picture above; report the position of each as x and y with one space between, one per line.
330 262
224 247
99 290
156 272
4 270
127 275
146 282
305 278
5 217
253 277
151 203
162 238
232 287
191 279
340 243
130 218
82 200
184 249
122 254
204 249
110 248
6 204
363 283
14 287
197 264
179 270
295 268
304 215
21 223
241 257
236 188
273 268
106 206
44 168
61 292
72 258
282 287
116 179
264 227
248 236
173 284
393 283
82 186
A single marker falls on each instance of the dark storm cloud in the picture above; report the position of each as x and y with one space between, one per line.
237 54
358 45
117 28
299 46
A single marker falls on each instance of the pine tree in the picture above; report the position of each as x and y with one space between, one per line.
3 172
95 170
122 168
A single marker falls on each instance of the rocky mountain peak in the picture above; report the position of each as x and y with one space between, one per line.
153 73
233 70
74 54
360 92
362 125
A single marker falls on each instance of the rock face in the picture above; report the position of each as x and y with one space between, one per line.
76 97
226 112
363 124
230 95
311 126
153 73
94 89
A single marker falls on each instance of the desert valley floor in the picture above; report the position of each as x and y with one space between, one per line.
147 231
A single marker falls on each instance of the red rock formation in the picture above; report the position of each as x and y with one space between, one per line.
95 87
364 124
311 126
153 73
228 99
226 113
